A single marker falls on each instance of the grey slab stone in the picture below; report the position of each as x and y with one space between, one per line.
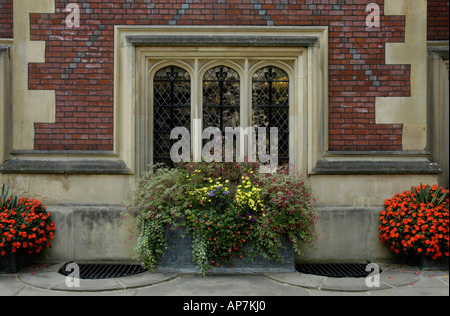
51 279
146 279
44 280
398 278
429 281
411 291
337 293
10 285
92 286
298 279
223 286
348 285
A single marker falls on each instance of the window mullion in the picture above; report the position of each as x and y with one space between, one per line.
246 107
197 113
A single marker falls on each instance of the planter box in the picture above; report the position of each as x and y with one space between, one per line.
12 263
178 259
426 262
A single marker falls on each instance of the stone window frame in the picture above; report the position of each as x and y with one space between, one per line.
5 99
245 69
306 48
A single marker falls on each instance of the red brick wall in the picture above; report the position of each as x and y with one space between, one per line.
6 20
438 28
79 62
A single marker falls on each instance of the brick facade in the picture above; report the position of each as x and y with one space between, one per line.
79 61
438 27
6 19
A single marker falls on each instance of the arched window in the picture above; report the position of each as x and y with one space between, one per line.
270 106
171 108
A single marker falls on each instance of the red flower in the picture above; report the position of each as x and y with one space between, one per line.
406 230
22 229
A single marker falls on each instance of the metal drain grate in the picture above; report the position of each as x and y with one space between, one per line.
97 271
335 270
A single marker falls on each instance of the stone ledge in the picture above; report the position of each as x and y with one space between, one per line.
30 166
235 40
325 167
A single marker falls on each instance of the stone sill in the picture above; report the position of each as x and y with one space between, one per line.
30 166
325 167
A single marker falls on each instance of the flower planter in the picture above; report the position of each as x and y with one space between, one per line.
425 262
227 223
178 258
13 262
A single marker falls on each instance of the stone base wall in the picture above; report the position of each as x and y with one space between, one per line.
99 233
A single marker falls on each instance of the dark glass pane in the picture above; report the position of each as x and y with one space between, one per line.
221 98
270 105
171 108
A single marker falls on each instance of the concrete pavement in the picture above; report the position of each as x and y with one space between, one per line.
395 280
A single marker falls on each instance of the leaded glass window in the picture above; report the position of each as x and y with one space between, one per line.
172 108
270 106
221 98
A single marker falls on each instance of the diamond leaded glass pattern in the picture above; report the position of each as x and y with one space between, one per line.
172 108
221 98
270 106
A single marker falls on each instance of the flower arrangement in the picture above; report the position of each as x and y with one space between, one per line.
24 224
221 225
417 222
289 206
228 218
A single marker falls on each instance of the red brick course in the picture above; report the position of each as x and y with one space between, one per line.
79 61
6 18
438 27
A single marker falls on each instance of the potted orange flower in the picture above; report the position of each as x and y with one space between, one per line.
25 229
416 223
